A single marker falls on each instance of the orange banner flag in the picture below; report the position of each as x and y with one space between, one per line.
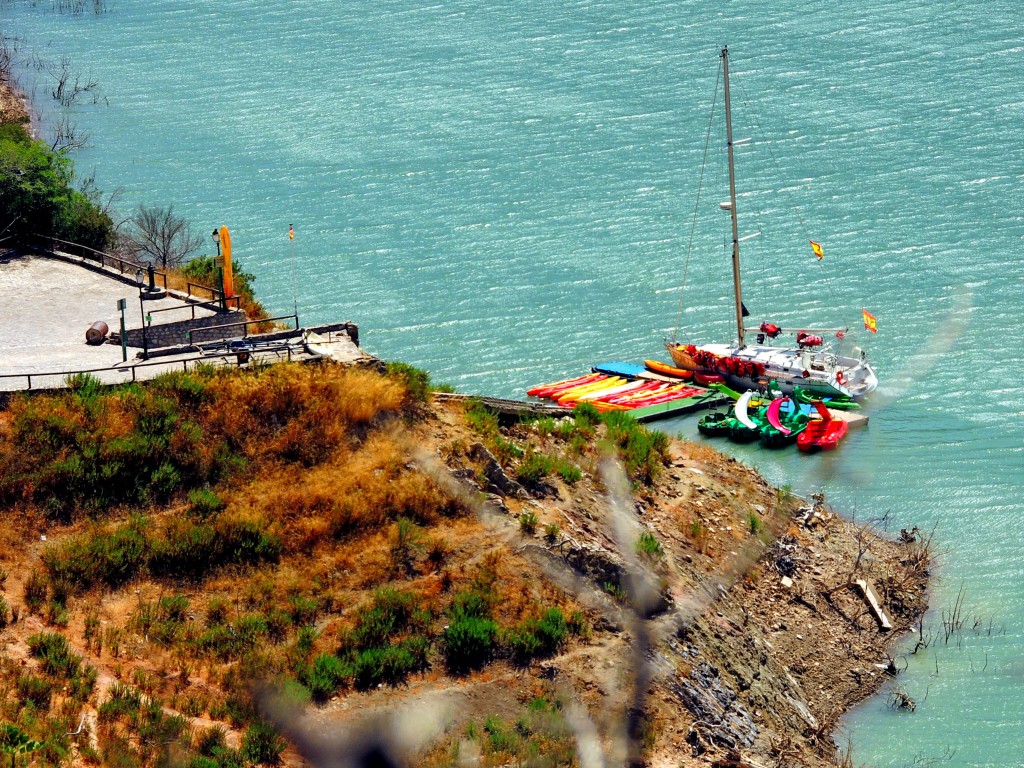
870 321
816 247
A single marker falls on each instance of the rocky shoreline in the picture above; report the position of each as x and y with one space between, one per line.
13 107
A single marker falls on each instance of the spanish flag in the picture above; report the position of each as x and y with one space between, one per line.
870 321
291 232
816 247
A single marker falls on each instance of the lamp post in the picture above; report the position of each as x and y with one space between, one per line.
121 304
220 271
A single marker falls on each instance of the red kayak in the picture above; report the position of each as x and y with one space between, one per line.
666 397
546 390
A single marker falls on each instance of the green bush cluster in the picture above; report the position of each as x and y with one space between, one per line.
470 638
37 195
60 663
92 449
540 736
415 381
647 544
536 466
387 644
642 450
485 423
184 549
536 637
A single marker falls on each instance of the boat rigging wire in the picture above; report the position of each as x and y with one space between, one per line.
696 205
793 205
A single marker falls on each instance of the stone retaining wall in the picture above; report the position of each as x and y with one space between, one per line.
202 329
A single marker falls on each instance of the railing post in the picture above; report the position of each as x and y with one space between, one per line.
29 377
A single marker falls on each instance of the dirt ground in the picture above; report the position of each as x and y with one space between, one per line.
12 105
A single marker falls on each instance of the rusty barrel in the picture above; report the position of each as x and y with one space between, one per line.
97 333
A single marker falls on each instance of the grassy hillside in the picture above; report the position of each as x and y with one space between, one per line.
218 527
168 550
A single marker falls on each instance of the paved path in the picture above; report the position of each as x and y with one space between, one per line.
46 306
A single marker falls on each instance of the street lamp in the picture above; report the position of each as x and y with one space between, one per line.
220 271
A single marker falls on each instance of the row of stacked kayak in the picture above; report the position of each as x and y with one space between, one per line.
622 387
777 421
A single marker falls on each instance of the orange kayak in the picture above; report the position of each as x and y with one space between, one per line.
668 370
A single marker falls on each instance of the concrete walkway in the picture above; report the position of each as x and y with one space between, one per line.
47 305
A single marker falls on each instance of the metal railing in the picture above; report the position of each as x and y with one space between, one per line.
214 304
280 350
123 266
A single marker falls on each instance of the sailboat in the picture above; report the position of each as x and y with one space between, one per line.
813 363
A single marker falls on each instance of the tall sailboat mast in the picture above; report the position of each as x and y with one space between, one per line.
732 200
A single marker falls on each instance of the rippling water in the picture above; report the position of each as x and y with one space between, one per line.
502 195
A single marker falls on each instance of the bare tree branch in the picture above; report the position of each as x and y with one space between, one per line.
160 237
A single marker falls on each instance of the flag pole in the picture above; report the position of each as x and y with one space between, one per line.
295 290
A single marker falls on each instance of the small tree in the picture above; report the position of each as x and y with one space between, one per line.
14 742
159 236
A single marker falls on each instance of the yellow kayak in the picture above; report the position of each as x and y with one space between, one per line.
573 395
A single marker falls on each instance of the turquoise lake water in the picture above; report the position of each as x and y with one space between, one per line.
503 195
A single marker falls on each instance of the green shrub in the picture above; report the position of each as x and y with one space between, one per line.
324 675
262 744
110 558
586 418
536 637
528 521
568 471
371 650
123 703
55 654
535 467
303 610
648 544
36 591
499 737
37 193
204 503
415 381
389 664
552 532
469 642
34 689
755 523
545 426
643 451
391 612
210 740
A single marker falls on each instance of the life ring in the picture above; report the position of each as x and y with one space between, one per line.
840 378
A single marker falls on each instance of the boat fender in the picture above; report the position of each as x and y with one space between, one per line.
840 378
806 374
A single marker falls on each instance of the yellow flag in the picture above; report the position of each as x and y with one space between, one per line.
870 321
816 247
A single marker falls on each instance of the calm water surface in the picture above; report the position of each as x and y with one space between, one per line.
502 195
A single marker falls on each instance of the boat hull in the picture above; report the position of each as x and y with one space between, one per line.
820 374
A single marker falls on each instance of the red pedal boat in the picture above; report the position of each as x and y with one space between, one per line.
822 434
